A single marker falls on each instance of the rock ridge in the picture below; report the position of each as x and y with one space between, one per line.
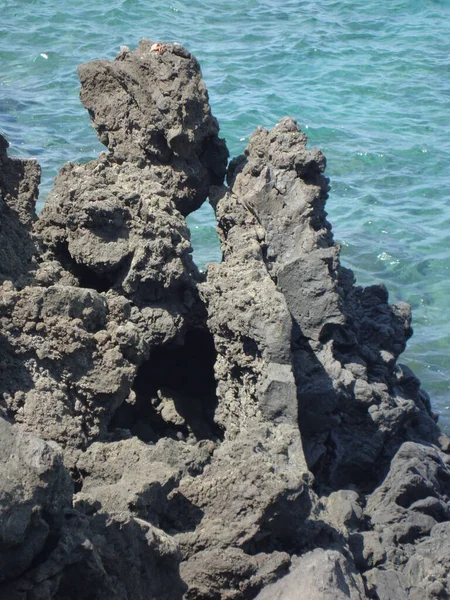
244 433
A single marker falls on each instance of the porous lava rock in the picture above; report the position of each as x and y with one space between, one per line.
89 338
19 180
355 403
50 550
167 434
318 575
288 322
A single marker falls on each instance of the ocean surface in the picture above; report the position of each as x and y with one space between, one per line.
367 80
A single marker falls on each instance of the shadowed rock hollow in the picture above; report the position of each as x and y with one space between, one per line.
248 433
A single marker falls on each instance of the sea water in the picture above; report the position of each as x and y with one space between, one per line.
367 80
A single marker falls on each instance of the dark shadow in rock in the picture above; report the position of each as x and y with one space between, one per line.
181 515
339 440
78 476
303 536
352 426
146 570
317 534
19 180
175 393
17 247
356 544
87 277
50 543
278 529
101 557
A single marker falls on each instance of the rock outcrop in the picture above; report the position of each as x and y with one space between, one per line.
50 550
19 180
242 434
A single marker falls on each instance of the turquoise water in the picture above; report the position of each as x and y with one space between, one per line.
368 80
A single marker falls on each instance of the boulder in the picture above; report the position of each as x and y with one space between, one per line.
35 489
318 575
19 180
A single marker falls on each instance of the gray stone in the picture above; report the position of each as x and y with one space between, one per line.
153 106
74 376
345 510
19 180
344 341
118 557
220 429
318 575
229 570
387 585
34 489
416 485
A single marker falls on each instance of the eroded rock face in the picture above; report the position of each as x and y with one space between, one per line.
248 433
292 333
19 180
115 227
151 106
353 399
318 575
35 489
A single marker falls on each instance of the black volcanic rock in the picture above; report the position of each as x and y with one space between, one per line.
165 434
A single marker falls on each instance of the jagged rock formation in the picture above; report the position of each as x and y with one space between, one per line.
49 550
344 341
248 433
320 574
19 180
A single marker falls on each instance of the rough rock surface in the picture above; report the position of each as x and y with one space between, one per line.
248 433
19 180
35 489
354 402
318 575
50 550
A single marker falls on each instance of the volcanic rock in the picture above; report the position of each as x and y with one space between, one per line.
35 489
318 575
19 180
166 434
343 340
151 107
